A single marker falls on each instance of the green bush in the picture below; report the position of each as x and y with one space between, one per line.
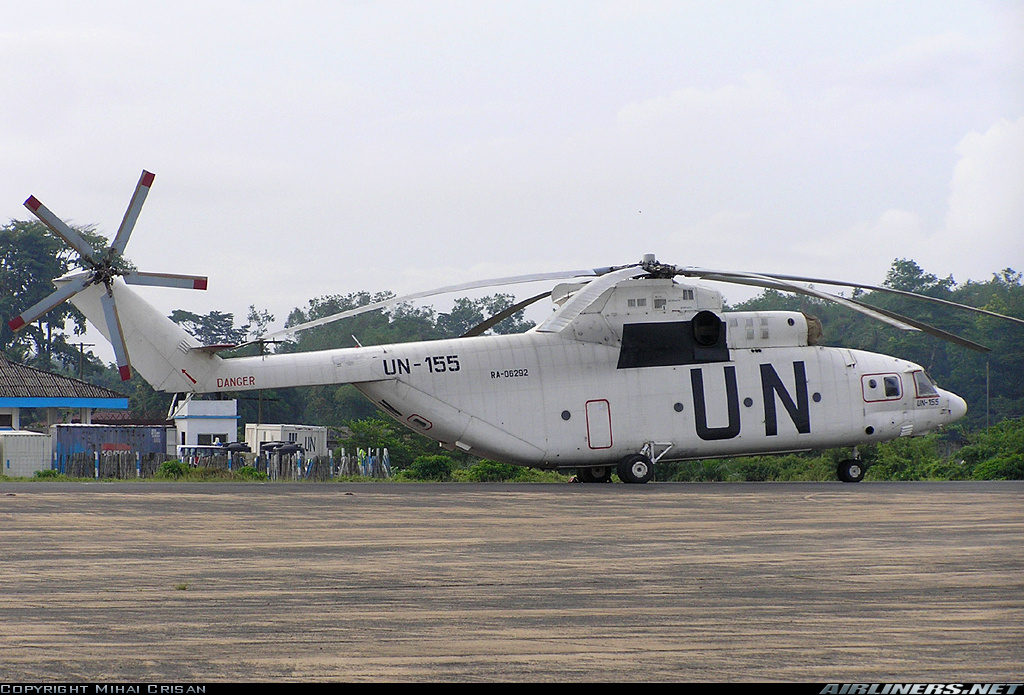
171 470
907 458
250 473
1005 467
47 473
203 473
434 467
491 472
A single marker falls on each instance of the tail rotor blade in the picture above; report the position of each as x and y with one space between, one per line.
52 300
57 226
132 213
116 336
185 282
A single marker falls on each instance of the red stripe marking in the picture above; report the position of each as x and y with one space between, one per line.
33 204
126 372
199 284
16 323
147 178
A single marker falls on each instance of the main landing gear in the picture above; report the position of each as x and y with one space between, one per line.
635 468
598 474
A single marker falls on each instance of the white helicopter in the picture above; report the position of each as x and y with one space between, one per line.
631 368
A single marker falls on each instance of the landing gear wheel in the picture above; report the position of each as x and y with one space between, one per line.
851 471
636 469
598 474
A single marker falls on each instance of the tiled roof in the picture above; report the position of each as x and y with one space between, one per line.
22 381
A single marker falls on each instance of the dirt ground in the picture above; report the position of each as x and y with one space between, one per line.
810 582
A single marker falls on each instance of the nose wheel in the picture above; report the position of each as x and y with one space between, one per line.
851 471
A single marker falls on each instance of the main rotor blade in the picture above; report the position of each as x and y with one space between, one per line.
495 282
490 323
931 330
904 293
883 315
185 282
124 232
116 336
756 280
57 226
52 300
586 296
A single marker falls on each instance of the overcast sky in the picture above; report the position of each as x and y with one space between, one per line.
306 148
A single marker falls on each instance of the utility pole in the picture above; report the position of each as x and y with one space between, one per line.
81 357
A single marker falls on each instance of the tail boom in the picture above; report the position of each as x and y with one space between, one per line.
171 359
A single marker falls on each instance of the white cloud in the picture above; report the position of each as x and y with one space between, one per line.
984 226
983 230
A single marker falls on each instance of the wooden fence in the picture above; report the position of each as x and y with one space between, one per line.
110 464
128 464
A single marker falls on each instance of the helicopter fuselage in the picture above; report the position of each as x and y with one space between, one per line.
537 399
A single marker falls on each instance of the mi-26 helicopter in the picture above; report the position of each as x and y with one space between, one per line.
636 364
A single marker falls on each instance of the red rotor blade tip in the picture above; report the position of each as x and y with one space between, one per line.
33 204
125 371
16 323
147 178
199 284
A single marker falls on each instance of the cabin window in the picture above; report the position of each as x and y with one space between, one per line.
881 387
659 303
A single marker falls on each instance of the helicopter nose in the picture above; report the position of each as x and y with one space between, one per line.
957 406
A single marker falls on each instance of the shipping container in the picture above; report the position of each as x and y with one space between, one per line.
23 453
141 439
312 439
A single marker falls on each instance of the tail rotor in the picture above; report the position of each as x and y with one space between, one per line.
102 268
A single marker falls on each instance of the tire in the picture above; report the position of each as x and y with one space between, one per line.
851 471
636 469
597 474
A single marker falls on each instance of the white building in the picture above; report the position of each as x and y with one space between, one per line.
206 422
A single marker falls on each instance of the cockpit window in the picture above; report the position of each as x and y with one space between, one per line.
924 385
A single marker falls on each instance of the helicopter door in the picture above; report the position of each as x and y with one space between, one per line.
599 424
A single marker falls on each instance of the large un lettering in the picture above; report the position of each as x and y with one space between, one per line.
773 390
